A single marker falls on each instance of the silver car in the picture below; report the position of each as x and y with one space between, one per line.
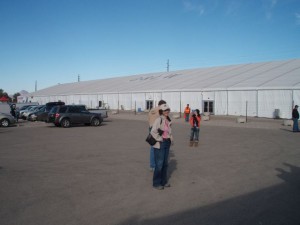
6 120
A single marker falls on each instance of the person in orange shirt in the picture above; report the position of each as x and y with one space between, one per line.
195 128
187 112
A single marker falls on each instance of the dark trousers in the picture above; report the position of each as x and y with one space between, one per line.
295 125
161 163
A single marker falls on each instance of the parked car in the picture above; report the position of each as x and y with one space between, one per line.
6 120
42 115
67 115
33 115
103 112
21 113
29 111
49 105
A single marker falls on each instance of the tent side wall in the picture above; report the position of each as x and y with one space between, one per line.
242 103
261 103
173 100
221 103
271 102
296 97
194 99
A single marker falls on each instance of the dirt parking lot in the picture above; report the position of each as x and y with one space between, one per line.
240 174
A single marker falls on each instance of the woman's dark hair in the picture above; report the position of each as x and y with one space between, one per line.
198 112
162 102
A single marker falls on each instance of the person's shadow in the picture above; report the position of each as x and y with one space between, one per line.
292 177
172 163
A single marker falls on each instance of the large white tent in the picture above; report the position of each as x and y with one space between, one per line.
268 89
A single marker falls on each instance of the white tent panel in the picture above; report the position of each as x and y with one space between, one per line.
138 101
125 101
84 100
52 98
93 101
272 101
157 96
296 97
208 95
194 99
173 100
242 103
62 98
221 103
104 98
70 99
112 100
77 99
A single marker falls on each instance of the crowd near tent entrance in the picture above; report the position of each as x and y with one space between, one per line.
267 89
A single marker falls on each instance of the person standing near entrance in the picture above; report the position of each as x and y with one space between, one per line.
187 112
195 128
152 116
295 116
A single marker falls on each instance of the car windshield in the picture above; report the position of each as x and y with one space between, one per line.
32 108
53 109
24 107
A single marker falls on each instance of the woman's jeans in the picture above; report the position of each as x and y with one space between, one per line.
295 125
152 158
161 163
194 134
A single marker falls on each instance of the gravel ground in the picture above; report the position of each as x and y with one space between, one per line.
239 174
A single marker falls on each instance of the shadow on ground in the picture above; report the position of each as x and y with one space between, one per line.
277 205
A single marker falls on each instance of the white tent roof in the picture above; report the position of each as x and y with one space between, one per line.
266 75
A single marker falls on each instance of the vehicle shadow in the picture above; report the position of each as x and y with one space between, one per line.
75 125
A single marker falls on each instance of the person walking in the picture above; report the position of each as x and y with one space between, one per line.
187 112
295 116
162 132
195 128
13 111
152 116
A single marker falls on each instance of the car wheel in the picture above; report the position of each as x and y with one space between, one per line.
4 123
95 122
65 123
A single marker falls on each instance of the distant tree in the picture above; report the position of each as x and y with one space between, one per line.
15 97
2 93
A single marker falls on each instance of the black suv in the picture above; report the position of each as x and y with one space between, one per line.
66 115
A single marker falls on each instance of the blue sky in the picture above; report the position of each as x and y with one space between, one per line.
54 41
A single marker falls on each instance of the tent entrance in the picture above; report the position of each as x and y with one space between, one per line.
149 104
208 106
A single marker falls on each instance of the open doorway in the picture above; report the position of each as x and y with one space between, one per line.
208 106
149 104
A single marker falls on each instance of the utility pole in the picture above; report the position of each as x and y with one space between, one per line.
35 86
78 78
168 65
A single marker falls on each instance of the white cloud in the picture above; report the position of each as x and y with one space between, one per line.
269 5
192 6
273 3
